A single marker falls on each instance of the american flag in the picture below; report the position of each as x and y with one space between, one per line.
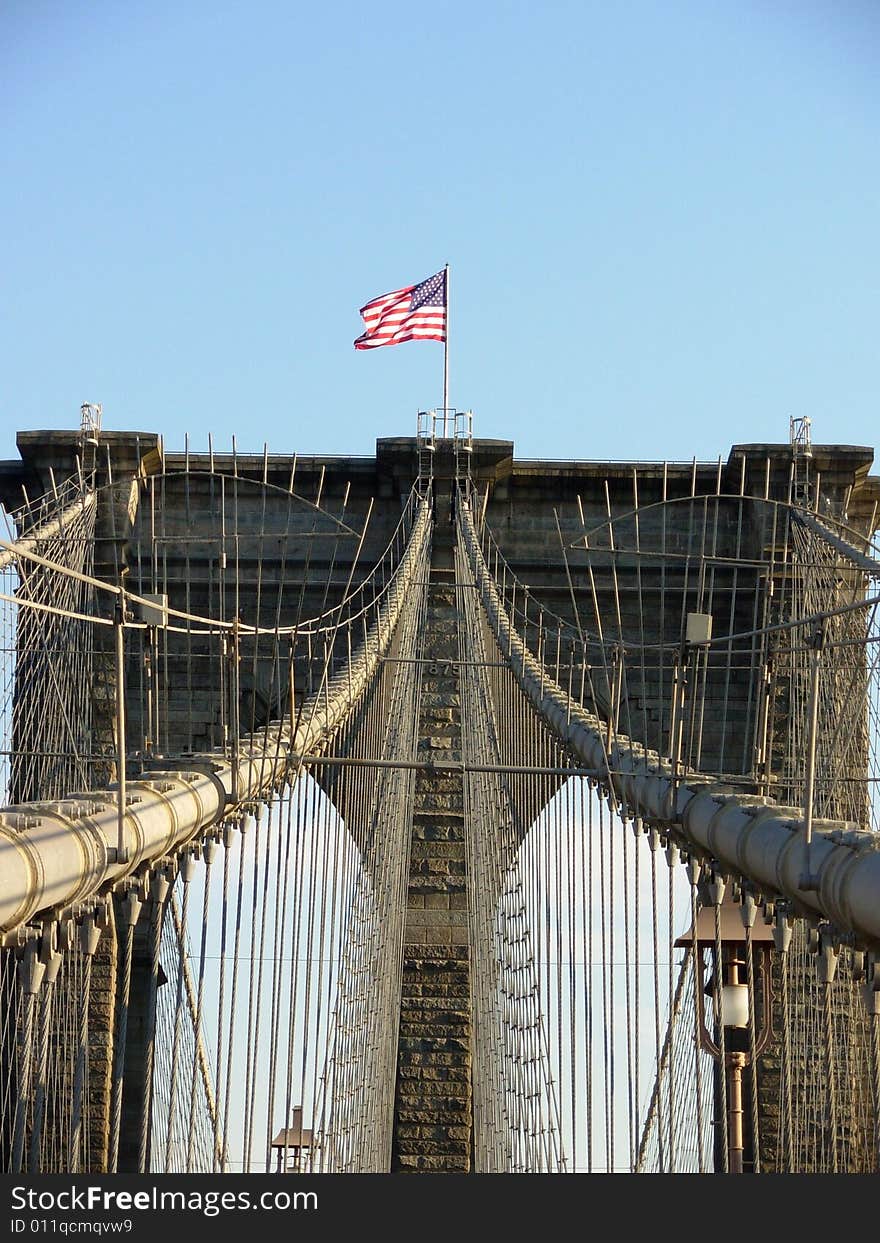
415 312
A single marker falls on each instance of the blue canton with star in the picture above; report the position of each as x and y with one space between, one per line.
431 292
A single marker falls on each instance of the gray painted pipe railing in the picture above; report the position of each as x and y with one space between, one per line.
30 542
748 835
56 854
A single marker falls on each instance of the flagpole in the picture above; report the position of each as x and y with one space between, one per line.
446 354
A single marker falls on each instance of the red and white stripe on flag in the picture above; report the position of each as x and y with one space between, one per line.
416 312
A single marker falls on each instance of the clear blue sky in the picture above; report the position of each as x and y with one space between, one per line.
661 219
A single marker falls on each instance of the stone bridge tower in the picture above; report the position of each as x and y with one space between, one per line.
166 520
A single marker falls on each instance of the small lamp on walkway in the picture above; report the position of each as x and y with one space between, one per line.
291 1143
734 1006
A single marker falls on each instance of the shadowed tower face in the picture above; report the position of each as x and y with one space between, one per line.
427 683
432 1126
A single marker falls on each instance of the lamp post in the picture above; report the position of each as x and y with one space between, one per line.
732 1050
293 1140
